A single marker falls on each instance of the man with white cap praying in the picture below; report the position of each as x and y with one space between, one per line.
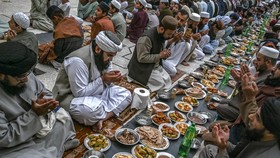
18 24
164 9
153 18
38 17
196 52
203 29
118 19
24 103
265 64
139 21
84 84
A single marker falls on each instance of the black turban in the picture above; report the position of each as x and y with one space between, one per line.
270 115
16 58
104 7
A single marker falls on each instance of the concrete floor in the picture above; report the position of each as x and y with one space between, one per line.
8 7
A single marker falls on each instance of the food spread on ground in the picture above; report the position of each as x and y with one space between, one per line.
151 137
126 137
143 151
169 131
182 127
160 118
183 106
97 142
177 116
191 100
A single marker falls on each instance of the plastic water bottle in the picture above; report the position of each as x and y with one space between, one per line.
186 143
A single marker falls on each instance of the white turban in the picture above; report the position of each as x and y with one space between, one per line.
21 19
107 43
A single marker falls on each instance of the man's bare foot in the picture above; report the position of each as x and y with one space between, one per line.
185 63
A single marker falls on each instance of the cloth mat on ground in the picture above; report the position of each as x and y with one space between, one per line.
178 75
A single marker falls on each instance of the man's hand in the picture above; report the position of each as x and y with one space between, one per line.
11 34
177 36
44 106
235 74
244 69
164 54
220 136
249 87
196 36
112 76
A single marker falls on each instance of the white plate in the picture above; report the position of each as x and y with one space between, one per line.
133 152
184 116
123 153
168 107
177 104
102 149
197 84
188 124
169 125
155 122
164 154
197 97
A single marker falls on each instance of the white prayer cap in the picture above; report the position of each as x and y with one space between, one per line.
269 52
164 1
108 42
205 15
116 4
195 17
149 6
21 19
143 2
175 1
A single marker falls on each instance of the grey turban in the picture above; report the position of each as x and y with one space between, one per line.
108 42
16 58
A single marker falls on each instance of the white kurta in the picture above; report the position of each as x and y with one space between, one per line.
93 99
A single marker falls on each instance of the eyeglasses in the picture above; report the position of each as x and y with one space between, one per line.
22 76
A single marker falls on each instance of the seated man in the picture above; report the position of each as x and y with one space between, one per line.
145 65
153 18
101 21
86 9
164 9
265 63
262 131
68 36
203 29
118 19
18 24
38 17
84 84
24 109
139 21
178 45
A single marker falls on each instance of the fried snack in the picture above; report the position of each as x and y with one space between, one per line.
207 83
160 118
213 78
191 100
182 127
184 107
97 142
177 117
212 90
180 91
123 156
169 132
144 151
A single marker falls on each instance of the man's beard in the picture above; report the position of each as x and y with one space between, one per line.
162 37
275 82
262 68
255 134
12 90
99 61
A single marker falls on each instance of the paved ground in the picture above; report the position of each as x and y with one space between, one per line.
8 7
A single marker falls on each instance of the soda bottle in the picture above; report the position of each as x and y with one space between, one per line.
226 77
249 48
186 143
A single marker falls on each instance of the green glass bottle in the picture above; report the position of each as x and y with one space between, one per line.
249 48
186 143
226 78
